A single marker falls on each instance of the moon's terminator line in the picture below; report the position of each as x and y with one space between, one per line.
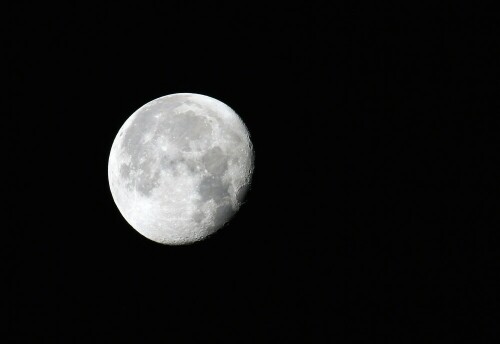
179 167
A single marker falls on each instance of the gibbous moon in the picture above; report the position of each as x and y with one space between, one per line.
179 167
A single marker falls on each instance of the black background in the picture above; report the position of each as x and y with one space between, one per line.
374 208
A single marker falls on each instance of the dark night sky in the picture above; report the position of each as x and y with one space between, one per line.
374 211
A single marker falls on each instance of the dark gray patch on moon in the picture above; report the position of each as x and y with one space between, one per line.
198 216
215 161
173 165
193 166
125 171
240 195
213 188
147 182
222 215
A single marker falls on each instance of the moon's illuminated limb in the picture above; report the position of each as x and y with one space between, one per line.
179 167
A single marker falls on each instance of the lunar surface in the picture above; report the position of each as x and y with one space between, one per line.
179 167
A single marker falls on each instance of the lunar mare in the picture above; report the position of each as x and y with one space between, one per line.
179 167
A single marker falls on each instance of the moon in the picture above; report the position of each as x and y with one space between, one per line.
179 168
